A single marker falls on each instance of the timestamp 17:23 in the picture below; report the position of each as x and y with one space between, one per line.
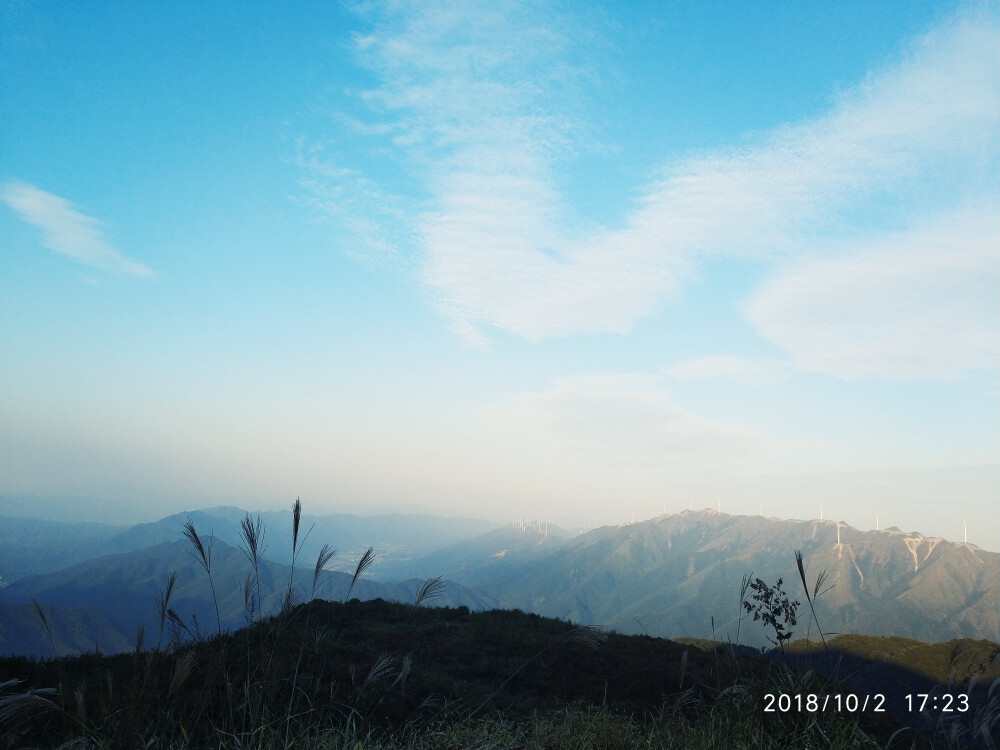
945 703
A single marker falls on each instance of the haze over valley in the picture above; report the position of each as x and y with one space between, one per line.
543 260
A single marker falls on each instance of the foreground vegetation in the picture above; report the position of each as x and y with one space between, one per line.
379 674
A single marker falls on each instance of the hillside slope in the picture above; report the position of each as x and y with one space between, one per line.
103 601
29 545
672 575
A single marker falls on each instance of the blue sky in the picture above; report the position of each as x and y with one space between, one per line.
565 260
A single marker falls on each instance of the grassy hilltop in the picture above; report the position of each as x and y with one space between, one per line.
381 674
307 672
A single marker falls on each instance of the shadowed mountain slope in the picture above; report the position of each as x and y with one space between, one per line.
103 601
671 575
30 545
499 552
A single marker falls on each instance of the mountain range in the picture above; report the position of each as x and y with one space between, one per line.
681 575
671 576
31 545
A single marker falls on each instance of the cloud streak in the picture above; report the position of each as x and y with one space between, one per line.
499 246
922 304
67 231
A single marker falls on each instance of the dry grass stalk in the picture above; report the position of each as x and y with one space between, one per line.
204 558
253 547
17 708
290 597
182 670
45 622
429 589
363 564
163 604
805 587
326 553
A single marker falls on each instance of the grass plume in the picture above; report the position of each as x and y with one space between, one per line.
363 564
17 708
429 589
326 553
163 605
800 564
289 600
253 547
204 558
44 622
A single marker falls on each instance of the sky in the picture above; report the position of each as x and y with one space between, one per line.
576 261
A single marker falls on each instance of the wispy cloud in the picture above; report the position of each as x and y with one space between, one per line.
922 304
66 230
724 367
499 246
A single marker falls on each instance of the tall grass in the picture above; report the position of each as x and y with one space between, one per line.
163 606
289 601
297 679
44 620
428 590
253 547
363 564
203 555
817 592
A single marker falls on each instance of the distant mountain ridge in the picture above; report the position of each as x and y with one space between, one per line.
673 575
30 545
102 602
